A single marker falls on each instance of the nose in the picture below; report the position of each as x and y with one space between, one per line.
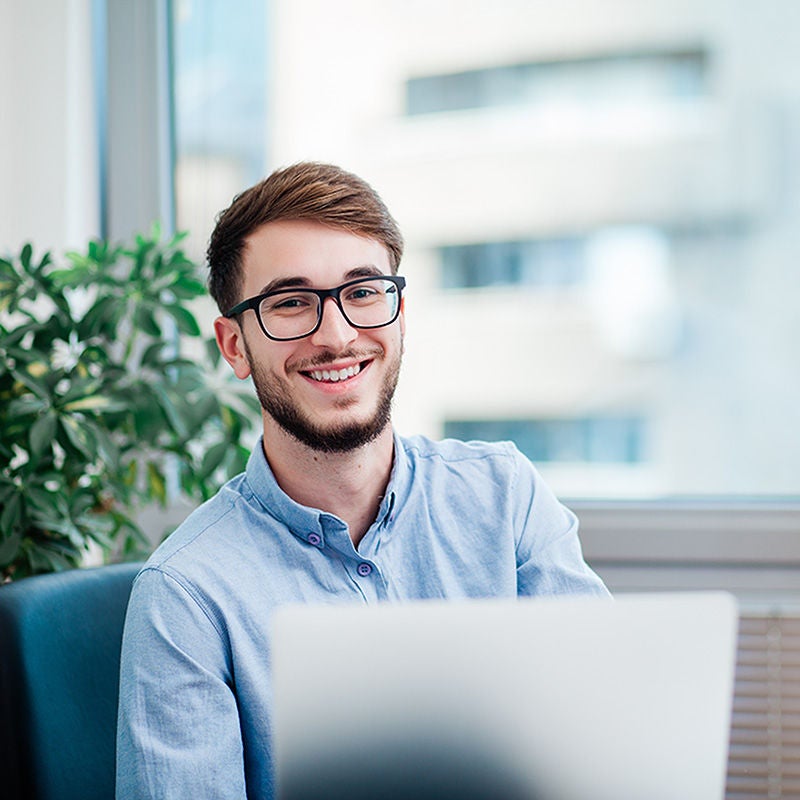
334 331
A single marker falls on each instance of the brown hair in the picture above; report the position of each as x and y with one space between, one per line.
308 191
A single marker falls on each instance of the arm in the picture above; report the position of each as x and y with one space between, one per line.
178 731
549 557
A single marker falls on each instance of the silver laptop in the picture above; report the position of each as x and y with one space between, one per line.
536 699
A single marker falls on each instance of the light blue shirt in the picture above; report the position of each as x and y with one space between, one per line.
457 520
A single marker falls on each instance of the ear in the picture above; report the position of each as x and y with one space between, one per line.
403 317
230 340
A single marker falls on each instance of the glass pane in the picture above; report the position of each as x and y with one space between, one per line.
220 102
601 204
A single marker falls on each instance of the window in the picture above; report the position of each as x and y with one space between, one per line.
220 108
582 440
542 263
601 258
598 80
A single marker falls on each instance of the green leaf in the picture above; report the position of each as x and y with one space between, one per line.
46 260
98 318
101 536
7 488
156 483
145 319
9 548
95 402
14 337
11 515
42 499
184 319
108 450
212 351
42 433
159 265
177 239
10 282
53 557
213 458
25 256
152 355
129 473
170 410
80 388
77 435
39 388
28 404
187 288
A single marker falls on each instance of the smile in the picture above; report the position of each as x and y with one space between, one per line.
335 375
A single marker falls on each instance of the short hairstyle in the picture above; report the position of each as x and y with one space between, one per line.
305 191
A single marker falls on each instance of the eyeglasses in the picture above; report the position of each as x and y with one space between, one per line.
287 314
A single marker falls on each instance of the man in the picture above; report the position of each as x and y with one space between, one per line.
334 505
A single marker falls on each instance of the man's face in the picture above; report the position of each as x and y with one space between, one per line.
293 379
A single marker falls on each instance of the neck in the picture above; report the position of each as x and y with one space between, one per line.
349 485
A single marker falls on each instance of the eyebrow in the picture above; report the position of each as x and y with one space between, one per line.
300 282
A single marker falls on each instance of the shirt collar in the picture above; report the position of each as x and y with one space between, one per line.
303 521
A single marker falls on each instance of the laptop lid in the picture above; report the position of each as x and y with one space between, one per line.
543 699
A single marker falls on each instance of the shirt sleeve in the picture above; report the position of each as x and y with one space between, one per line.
178 732
549 556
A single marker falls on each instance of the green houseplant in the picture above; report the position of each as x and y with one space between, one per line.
99 414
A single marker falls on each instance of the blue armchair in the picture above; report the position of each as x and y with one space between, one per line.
60 637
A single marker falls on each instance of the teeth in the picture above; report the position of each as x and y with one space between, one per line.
335 375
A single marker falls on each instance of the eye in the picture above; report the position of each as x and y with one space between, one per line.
286 304
364 293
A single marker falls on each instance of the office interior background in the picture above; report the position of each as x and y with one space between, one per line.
601 204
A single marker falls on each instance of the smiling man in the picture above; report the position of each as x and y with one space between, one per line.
335 505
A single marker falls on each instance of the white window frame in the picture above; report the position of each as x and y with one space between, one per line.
133 43
748 547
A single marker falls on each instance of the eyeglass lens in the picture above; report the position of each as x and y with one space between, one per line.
370 303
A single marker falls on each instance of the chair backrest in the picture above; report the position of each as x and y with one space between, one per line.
60 639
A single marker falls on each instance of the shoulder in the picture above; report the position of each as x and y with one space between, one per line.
495 460
490 466
204 530
421 448
199 565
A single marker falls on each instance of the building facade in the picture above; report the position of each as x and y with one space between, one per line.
600 202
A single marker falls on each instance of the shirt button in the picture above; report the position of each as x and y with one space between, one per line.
315 539
364 569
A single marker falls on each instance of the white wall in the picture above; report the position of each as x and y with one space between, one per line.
48 135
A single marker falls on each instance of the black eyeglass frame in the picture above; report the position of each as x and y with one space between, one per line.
254 302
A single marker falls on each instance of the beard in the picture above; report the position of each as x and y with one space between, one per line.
276 399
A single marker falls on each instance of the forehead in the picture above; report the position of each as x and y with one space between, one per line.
313 253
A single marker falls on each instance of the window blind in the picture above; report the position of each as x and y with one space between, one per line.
764 758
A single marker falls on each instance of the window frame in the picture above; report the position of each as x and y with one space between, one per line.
748 546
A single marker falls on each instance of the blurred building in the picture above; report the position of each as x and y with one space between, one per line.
600 202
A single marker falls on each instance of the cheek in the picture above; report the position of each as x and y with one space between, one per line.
282 358
398 340
264 354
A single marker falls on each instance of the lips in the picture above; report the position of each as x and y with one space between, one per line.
336 368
